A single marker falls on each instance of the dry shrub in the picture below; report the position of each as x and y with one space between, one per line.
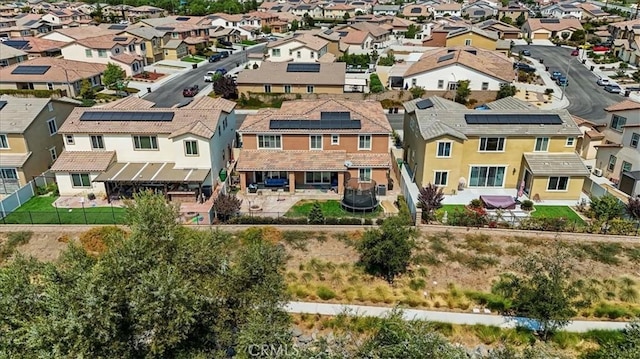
271 235
96 239
355 235
64 238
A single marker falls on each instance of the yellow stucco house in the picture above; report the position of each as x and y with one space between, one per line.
476 37
504 145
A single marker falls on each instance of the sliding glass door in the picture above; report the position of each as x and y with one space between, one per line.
487 176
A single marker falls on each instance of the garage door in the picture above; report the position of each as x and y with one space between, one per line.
540 36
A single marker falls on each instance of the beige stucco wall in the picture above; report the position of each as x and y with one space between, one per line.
476 41
539 188
301 89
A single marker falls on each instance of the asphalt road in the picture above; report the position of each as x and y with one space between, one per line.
170 93
587 99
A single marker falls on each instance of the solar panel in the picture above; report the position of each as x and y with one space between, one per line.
182 18
446 57
549 21
17 44
30 22
59 13
416 10
165 28
30 70
2 104
120 38
323 124
127 116
337 115
512 119
303 67
478 13
117 27
424 104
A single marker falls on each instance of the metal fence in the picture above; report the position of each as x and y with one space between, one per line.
82 215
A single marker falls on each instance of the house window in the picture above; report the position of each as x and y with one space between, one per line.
612 163
269 141
287 88
558 183
635 138
617 122
570 142
191 148
309 88
275 52
317 177
267 88
626 167
135 66
53 127
335 139
364 142
145 142
116 50
102 53
485 86
88 53
440 178
53 153
298 54
444 149
491 144
364 174
440 84
487 176
414 82
542 144
453 86
81 180
313 54
132 48
143 46
4 141
467 42
315 142
97 143
69 139
8 173
49 86
50 106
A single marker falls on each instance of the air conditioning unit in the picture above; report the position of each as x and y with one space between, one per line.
597 172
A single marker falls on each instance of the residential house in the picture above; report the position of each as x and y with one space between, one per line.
439 32
459 149
126 147
134 14
68 18
236 22
50 73
447 9
313 10
37 46
547 29
333 41
592 12
127 51
513 12
339 11
29 142
299 48
562 11
441 69
504 30
478 11
194 30
72 34
474 36
153 40
362 37
391 10
32 25
10 55
590 139
293 78
316 144
356 42
626 40
416 12
175 49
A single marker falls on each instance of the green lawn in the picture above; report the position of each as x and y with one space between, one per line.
248 42
556 212
193 59
40 210
451 208
330 208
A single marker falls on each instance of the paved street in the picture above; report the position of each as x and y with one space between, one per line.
588 100
170 93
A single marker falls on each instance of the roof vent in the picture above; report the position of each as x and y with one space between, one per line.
348 164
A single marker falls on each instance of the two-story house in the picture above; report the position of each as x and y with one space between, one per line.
513 12
626 40
339 11
300 48
314 144
247 29
592 12
10 55
129 146
293 78
154 41
478 11
193 30
513 148
447 9
314 11
562 11
127 51
144 12
29 140
391 10
67 18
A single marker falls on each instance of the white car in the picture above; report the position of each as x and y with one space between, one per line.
209 76
604 82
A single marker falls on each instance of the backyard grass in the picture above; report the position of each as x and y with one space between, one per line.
451 208
330 208
248 42
193 59
557 212
40 210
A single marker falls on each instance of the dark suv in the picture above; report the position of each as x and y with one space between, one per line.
190 91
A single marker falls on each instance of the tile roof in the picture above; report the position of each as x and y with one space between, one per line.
129 102
485 33
562 24
439 103
8 52
510 103
308 40
624 106
83 32
107 41
127 58
145 32
370 113
274 160
374 160
14 159
75 71
448 7
556 164
355 37
39 44
491 63
84 161
173 44
206 102
275 73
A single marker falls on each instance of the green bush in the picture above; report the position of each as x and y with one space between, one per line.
375 85
331 221
325 293
526 205
475 203
544 224
492 301
379 222
350 221
622 227
266 220
368 222
417 284
605 310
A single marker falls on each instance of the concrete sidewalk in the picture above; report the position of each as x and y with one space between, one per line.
559 101
579 326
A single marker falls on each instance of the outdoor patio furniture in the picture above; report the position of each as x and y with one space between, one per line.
498 202
275 182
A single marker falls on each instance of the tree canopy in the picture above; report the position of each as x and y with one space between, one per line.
112 75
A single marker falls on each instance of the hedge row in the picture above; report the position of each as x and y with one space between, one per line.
32 93
300 221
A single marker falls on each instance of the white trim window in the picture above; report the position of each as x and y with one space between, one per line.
145 143
287 88
310 88
267 88
487 176
335 140
558 183
8 174
612 163
364 174
440 178
4 141
444 149
69 140
571 141
53 127
317 177
364 142
80 180
269 142
97 142
315 142
191 148
542 144
617 122
635 138
491 144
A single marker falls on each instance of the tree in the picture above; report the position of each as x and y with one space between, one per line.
625 347
412 31
577 35
388 60
520 20
226 87
606 208
565 35
113 75
295 25
507 20
417 91
97 14
543 291
308 20
315 215
266 29
506 90
463 92
226 206
375 85
386 251
86 90
430 199
633 207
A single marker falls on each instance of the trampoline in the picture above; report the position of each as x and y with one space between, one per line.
359 196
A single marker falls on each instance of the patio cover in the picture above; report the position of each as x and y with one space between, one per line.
274 160
162 172
556 164
495 202
14 159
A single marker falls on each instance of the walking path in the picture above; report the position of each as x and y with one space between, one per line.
579 326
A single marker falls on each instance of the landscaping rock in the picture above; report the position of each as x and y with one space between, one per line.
295 332
305 339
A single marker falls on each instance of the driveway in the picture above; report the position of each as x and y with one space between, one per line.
170 93
587 99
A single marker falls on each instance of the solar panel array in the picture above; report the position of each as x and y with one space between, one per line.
182 19
295 67
30 70
335 115
165 28
2 104
478 12
30 22
126 116
472 52
416 10
512 119
117 27
446 57
549 21
120 38
424 104
17 44
315 125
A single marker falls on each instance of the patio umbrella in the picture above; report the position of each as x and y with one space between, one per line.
521 190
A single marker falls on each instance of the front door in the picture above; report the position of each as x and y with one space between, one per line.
528 179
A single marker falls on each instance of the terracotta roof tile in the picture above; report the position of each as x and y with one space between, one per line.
623 106
127 58
369 159
206 102
130 102
270 160
75 70
562 24
83 161
197 128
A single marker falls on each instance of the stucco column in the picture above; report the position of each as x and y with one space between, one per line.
243 181
292 182
340 182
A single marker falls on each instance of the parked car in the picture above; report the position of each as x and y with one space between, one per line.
613 88
224 54
604 82
215 57
209 76
190 91
221 71
520 66
225 43
555 75
562 81
600 48
575 52
525 52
